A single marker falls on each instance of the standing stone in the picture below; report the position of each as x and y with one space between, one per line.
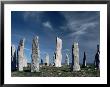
35 55
24 62
97 60
47 60
58 55
21 55
75 59
67 60
41 61
84 60
13 57
54 58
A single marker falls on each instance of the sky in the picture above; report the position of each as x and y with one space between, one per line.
71 26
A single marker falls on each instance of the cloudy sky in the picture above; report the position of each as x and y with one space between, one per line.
71 26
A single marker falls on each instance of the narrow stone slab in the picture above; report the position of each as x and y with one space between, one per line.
58 56
67 59
84 60
13 57
97 58
35 55
75 59
21 55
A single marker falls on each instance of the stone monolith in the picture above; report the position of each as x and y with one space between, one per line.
58 55
75 59
21 55
67 59
97 60
13 58
35 55
84 60
24 62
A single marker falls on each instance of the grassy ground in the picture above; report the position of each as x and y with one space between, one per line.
64 71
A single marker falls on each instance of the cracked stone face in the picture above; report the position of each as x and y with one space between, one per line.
35 55
58 55
20 55
21 58
24 62
76 66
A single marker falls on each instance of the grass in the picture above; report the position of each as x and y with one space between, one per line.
64 71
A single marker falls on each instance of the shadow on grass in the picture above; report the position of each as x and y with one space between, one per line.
27 70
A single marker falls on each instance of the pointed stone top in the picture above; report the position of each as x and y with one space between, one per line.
58 38
22 39
13 46
21 43
36 37
75 43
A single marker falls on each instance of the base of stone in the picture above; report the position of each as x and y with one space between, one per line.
76 67
20 70
34 71
57 66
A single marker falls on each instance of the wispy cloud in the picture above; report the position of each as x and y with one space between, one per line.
48 25
81 24
32 15
82 29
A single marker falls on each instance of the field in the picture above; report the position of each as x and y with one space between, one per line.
64 71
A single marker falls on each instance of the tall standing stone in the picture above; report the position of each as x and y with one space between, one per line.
97 60
58 55
47 60
54 58
67 59
41 61
75 57
35 55
21 55
13 57
84 60
24 62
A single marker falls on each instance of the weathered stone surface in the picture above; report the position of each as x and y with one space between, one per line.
58 55
21 55
24 62
84 60
47 60
75 58
13 57
35 55
97 60
67 59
